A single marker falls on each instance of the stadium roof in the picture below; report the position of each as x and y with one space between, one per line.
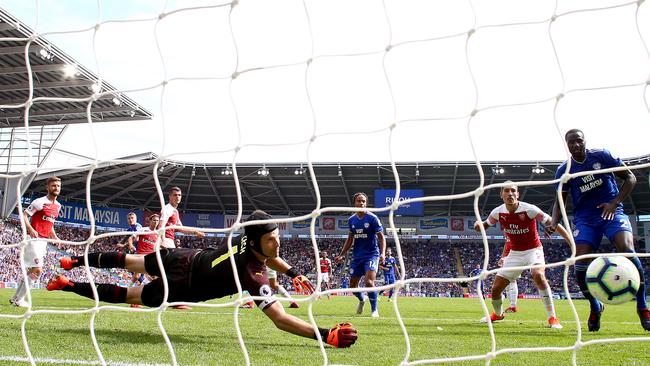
60 90
206 188
48 66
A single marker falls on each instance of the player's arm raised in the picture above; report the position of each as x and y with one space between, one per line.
345 335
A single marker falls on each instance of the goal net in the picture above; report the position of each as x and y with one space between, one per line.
276 81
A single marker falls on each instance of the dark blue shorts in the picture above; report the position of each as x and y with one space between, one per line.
389 279
591 230
359 267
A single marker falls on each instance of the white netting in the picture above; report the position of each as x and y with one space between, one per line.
395 116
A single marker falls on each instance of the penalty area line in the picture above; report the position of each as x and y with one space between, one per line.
57 361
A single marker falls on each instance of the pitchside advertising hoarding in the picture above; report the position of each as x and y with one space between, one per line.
115 218
77 213
385 197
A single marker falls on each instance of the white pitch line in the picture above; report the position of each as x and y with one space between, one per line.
75 362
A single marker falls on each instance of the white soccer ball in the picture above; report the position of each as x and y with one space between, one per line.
613 280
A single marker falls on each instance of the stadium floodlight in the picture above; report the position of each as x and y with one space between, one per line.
263 172
193 171
538 169
70 71
95 88
299 171
417 170
46 54
340 172
117 101
226 171
497 170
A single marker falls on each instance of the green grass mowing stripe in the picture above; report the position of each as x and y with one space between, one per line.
437 328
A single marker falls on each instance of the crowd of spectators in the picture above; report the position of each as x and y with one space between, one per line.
428 260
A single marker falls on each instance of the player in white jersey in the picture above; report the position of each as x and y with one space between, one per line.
170 217
39 222
523 248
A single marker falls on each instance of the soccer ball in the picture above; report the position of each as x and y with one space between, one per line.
613 280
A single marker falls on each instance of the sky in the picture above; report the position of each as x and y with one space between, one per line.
400 82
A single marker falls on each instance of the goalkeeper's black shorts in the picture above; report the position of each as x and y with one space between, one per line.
177 263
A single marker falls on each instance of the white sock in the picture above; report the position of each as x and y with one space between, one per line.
283 291
22 288
547 299
513 293
498 306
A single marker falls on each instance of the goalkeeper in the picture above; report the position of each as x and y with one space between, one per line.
195 275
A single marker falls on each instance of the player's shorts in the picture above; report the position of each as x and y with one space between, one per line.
34 253
271 274
518 258
168 243
591 230
178 268
325 277
389 279
359 267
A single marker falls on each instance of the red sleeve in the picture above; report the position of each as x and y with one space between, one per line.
506 249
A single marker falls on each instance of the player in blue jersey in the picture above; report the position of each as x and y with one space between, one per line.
390 269
131 247
597 211
132 221
367 234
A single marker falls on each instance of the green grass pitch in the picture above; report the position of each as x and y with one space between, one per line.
206 336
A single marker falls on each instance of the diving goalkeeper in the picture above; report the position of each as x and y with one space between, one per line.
195 275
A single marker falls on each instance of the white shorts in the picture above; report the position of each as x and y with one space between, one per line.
325 277
271 274
168 243
520 258
34 253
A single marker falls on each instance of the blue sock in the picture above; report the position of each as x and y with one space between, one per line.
372 296
640 295
359 295
581 277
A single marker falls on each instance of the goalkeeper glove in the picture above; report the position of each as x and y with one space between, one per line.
342 335
302 284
